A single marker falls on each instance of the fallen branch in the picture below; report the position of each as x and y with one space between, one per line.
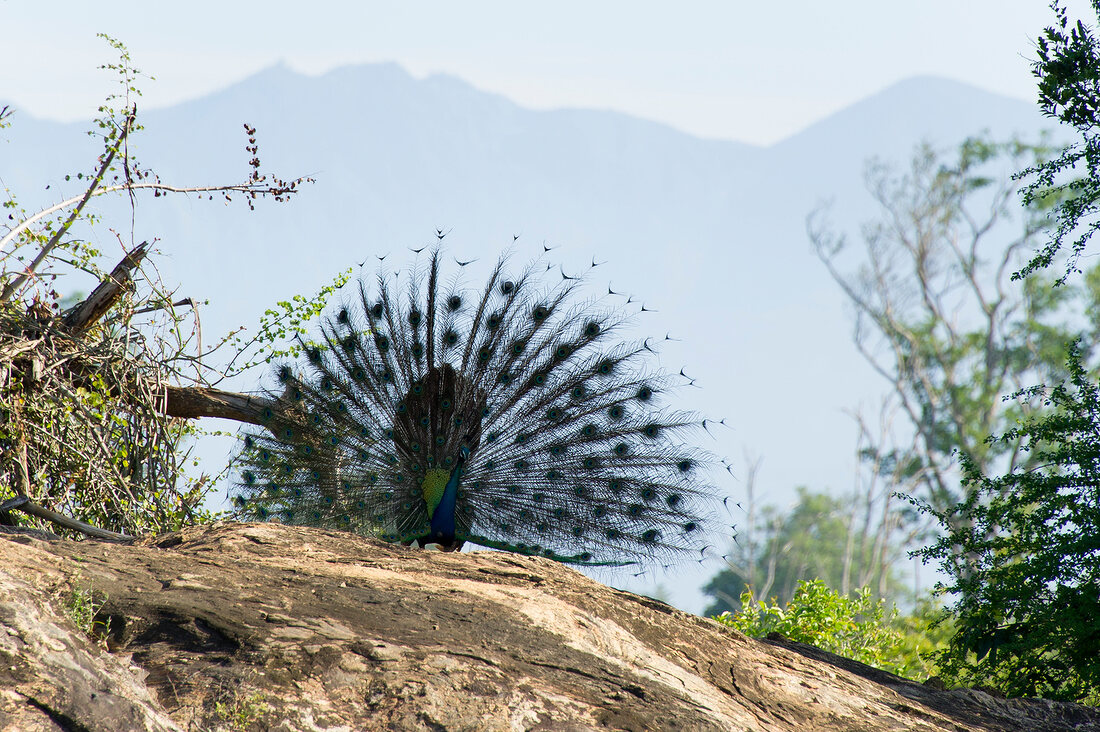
26 505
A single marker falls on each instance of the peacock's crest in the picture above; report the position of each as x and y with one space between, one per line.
512 417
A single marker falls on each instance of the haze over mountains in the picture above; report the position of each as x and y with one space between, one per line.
708 233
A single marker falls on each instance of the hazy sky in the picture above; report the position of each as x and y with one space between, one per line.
729 69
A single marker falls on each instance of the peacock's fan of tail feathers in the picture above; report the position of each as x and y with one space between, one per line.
511 416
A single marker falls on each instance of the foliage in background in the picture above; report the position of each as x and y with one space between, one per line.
1068 72
924 632
1028 609
858 626
941 315
855 540
937 315
821 537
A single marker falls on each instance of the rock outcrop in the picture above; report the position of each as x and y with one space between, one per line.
268 627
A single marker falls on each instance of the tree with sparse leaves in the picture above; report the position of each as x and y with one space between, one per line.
938 315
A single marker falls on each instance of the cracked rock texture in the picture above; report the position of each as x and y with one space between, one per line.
269 627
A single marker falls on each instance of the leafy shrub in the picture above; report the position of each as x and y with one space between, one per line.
859 627
86 429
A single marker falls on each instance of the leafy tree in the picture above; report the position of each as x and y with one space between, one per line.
1021 551
805 543
1028 609
1068 72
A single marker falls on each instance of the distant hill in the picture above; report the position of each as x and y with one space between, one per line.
709 233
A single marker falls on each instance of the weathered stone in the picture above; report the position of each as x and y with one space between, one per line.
262 626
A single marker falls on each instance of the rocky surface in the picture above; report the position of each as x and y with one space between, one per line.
266 627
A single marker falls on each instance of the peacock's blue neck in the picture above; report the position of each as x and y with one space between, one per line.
443 518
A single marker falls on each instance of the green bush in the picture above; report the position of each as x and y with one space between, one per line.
859 627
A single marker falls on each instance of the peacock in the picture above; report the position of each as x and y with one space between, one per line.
512 416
